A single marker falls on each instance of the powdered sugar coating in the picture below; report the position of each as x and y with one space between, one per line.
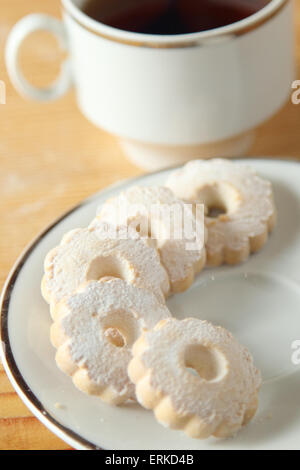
246 198
95 330
218 400
154 212
92 253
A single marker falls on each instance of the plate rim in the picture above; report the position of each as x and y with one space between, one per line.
11 368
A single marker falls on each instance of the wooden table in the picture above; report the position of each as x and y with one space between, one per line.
52 158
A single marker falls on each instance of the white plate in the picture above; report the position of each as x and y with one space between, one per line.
259 301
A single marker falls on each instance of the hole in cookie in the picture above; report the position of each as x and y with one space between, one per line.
215 211
207 363
219 199
120 327
144 230
115 337
140 223
108 267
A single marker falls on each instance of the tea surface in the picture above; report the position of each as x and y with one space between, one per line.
171 16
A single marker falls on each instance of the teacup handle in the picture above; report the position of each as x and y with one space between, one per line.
20 31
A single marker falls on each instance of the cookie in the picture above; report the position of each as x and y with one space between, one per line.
94 331
103 251
195 377
166 223
240 209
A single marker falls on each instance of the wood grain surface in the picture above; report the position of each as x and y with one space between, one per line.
51 158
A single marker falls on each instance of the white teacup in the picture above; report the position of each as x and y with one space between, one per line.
170 98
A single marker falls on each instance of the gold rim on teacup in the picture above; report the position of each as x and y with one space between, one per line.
237 29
